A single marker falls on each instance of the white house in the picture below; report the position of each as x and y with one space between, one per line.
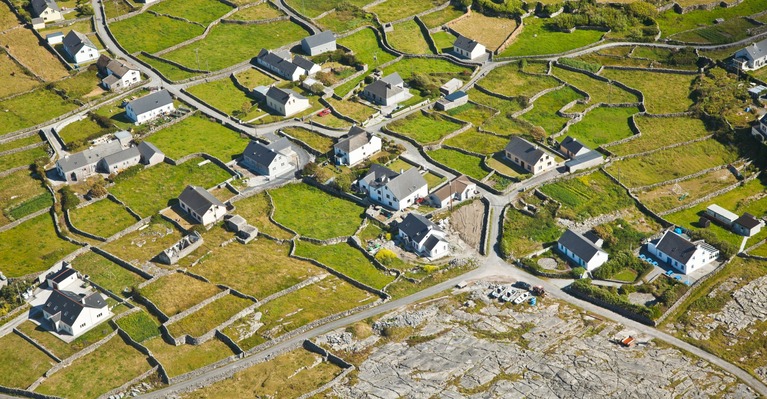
309 67
752 57
468 48
528 156
81 165
150 155
581 250
79 48
572 147
319 43
457 191
759 130
286 102
48 10
280 63
119 161
391 189
61 279
747 225
73 314
386 91
681 253
422 236
271 160
150 106
356 147
117 75
201 205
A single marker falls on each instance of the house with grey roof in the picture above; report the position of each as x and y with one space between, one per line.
61 279
47 10
150 106
201 205
747 225
119 161
117 75
358 146
468 48
81 165
150 155
73 314
310 67
571 147
453 193
271 160
391 189
422 236
584 161
528 156
751 57
584 251
452 100
386 91
320 43
79 48
280 63
286 102
681 253
451 86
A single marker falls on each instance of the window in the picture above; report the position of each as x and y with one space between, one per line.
82 325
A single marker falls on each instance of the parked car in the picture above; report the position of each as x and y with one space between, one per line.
521 298
523 285
496 292
508 295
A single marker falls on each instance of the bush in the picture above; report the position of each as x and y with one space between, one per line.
127 173
577 272
385 256
726 249
97 190
69 200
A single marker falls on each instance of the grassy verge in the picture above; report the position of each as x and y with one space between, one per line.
347 260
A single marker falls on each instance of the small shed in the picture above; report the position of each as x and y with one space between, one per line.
39 23
54 38
451 86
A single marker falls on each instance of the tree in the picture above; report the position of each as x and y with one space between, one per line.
97 190
310 169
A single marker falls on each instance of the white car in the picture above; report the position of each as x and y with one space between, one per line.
509 295
496 292
521 298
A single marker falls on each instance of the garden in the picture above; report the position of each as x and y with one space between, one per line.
407 37
256 209
225 96
588 196
19 258
524 234
347 260
538 38
309 210
198 134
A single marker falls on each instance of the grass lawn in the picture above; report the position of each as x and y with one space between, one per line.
142 245
500 164
25 46
152 33
659 167
229 44
671 23
30 109
312 9
140 326
105 273
224 95
663 92
255 209
603 125
370 232
314 213
210 316
20 195
510 81
198 134
466 164
80 86
77 134
490 31
443 40
544 112
47 249
252 77
673 195
103 218
471 112
154 188
660 132
536 39
502 123
424 128
201 11
353 109
407 37
22 158
391 10
478 142
588 196
61 349
289 375
523 234
315 140
345 259
599 91
257 13
116 362
366 48
438 69
178 292
170 71
16 81
433 180
259 268
344 21
22 363
441 17
182 359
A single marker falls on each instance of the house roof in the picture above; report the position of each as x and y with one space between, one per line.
54 34
378 175
280 60
282 95
406 183
74 42
263 154
452 84
572 145
756 50
456 186
723 212
198 199
152 101
62 275
319 39
110 80
304 63
455 95
356 139
525 150
581 246
148 150
38 6
37 21
432 242
583 158
88 157
67 305
120 68
386 87
124 155
393 79
466 44
417 227
748 221
676 246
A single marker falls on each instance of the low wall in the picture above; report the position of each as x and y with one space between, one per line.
122 263
68 361
25 394
36 344
617 309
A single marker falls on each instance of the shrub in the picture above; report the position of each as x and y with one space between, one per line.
69 200
430 268
385 256
577 272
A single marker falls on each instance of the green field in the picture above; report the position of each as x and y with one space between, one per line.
478 142
471 113
22 362
424 128
439 69
309 211
441 17
353 109
252 77
106 273
209 317
536 39
16 80
502 123
443 41
599 91
603 125
407 37
466 164
200 11
177 292
255 209
103 218
152 33
258 12
544 112
30 109
23 158
225 96
312 9
671 23
392 10
346 260
660 132
663 92
314 140
170 71
588 196
79 86
344 21
731 30
510 81
139 325
154 188
77 134
229 44
198 134
523 234
670 196
182 359
366 48
20 195
142 245
48 248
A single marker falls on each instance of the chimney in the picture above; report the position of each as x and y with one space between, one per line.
401 170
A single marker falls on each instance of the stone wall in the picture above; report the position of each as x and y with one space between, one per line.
711 195
24 219
178 316
36 344
68 361
511 37
128 384
617 309
122 263
25 394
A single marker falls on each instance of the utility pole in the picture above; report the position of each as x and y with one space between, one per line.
197 56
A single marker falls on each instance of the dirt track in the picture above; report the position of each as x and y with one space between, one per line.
467 222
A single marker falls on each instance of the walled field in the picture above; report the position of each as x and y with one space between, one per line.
490 31
471 113
103 218
315 140
177 292
116 362
105 273
154 188
115 8
671 163
312 9
225 96
257 13
32 108
501 123
443 41
198 134
182 359
599 91
544 112
674 195
407 37
523 234
252 77
140 326
22 362
16 81
466 164
603 125
441 17
152 33
478 142
508 80
201 11
142 245
255 210
210 316
22 158
20 195
347 260
424 129
7 18
344 21
392 10
76 133
355 110
48 248
61 349
588 196
366 48
260 268
660 132
537 39
438 69
229 44
308 210
671 23
168 70
663 92
23 44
